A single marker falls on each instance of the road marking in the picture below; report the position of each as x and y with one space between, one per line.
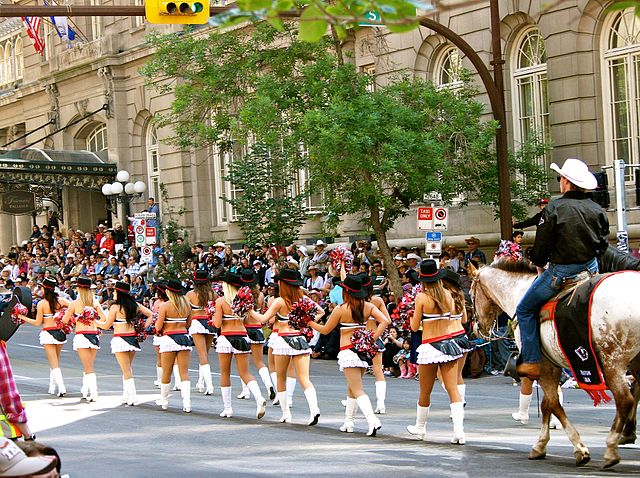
38 347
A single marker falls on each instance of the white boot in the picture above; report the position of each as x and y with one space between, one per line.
164 396
462 390
245 391
381 395
185 392
176 377
274 381
261 403
554 423
84 390
206 375
200 382
312 400
226 400
420 428
367 410
349 413
284 406
57 378
158 381
457 412
92 384
266 379
125 392
291 387
130 387
522 415
52 383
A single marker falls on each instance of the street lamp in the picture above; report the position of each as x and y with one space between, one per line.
122 191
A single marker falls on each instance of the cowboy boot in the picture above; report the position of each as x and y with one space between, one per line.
164 396
200 382
261 403
420 428
185 392
226 400
367 410
206 375
381 395
57 378
349 415
52 383
522 415
457 413
312 400
132 398
266 379
284 406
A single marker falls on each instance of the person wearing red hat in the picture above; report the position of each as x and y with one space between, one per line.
123 315
52 338
533 220
174 319
86 311
200 330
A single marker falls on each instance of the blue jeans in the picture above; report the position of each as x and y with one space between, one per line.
543 288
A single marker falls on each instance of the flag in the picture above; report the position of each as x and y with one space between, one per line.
65 32
32 25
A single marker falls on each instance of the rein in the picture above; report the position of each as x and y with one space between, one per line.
492 336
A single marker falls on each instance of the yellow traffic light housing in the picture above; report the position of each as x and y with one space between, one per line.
177 11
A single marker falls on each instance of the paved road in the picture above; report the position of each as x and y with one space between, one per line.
105 439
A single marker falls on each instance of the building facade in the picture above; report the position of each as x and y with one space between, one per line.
572 77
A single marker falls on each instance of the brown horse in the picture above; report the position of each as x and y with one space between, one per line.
615 330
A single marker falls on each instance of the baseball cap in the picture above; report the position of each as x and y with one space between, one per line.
14 462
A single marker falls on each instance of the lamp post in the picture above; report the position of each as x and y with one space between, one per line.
122 191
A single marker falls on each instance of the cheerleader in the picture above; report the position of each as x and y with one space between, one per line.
290 346
433 307
352 315
255 335
52 338
124 344
174 318
378 372
233 342
200 330
161 298
86 341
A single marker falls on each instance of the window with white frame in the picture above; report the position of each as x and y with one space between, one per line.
138 21
50 34
313 202
11 60
530 89
3 76
96 23
223 188
152 156
621 74
96 141
18 58
447 71
8 61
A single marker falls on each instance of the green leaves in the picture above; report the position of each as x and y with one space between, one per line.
313 25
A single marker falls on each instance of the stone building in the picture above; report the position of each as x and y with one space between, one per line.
572 75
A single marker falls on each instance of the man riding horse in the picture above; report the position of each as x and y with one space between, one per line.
572 233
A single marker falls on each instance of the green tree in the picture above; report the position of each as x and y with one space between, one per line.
270 207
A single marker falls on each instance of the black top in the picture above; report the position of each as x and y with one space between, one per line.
573 230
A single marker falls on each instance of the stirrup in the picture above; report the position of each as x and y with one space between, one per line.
510 367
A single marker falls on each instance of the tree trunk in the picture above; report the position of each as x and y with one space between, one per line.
390 266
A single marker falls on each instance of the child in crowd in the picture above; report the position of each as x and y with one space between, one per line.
402 359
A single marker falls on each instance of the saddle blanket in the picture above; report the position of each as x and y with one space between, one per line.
571 315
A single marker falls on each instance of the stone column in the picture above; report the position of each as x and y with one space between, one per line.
6 233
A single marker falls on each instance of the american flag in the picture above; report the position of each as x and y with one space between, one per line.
33 30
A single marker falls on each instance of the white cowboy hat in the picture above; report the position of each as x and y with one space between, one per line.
320 242
219 244
576 172
303 249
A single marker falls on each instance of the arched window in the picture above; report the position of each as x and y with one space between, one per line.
2 67
530 91
621 74
153 163
8 62
19 59
97 141
447 72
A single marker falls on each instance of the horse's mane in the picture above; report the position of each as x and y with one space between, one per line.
509 265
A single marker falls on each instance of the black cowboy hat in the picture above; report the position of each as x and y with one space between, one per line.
162 285
452 277
352 285
290 277
123 287
84 282
175 286
412 275
429 271
367 280
232 278
248 277
49 283
200 277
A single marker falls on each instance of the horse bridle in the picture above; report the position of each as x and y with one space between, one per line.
494 326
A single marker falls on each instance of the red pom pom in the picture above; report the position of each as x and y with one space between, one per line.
243 303
139 328
302 312
401 317
363 343
65 328
341 254
87 316
18 310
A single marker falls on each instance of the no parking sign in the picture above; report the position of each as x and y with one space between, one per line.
146 254
139 230
440 218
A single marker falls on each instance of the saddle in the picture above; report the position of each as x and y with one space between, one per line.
569 287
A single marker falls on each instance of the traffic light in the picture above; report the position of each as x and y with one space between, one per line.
177 11
601 193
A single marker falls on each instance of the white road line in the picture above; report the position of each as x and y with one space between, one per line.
39 347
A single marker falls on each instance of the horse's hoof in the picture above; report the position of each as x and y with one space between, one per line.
582 458
610 463
537 455
627 439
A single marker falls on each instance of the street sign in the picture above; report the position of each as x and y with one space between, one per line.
371 16
146 254
150 235
434 242
440 218
425 218
145 215
433 196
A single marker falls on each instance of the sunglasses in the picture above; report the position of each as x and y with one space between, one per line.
558 178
